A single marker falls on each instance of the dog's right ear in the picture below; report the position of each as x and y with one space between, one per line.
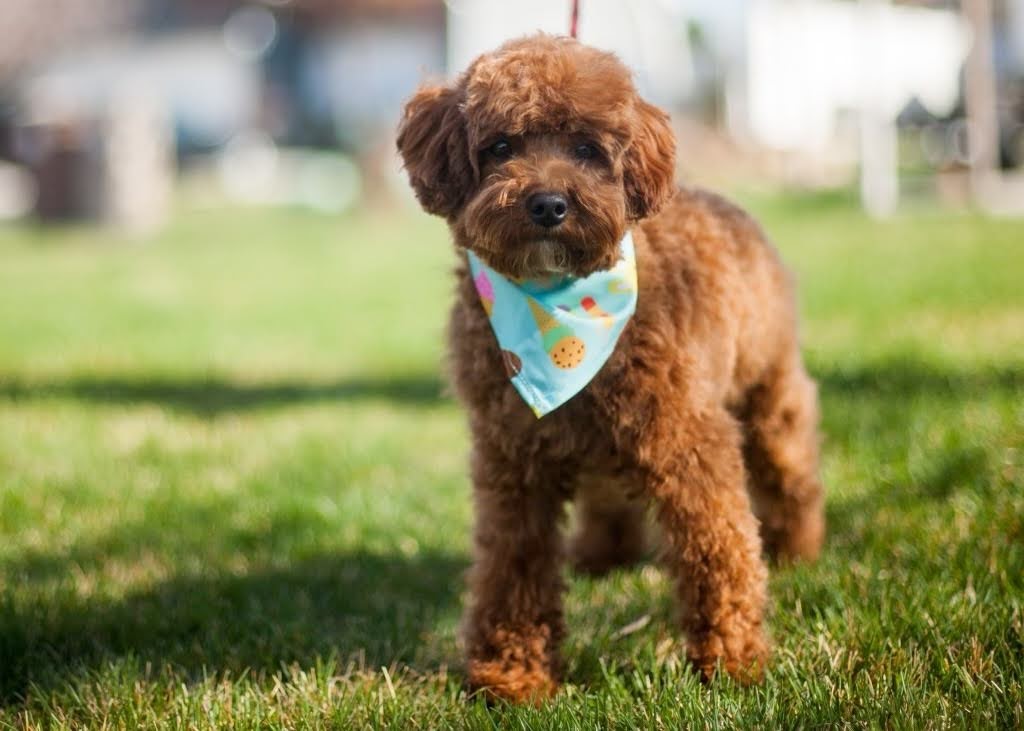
435 150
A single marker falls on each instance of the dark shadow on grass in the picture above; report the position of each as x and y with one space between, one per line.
212 616
909 377
874 408
214 396
383 607
950 469
871 409
377 608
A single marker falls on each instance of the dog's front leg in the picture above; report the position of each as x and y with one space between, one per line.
514 624
695 476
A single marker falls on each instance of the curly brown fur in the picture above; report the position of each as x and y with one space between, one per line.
704 410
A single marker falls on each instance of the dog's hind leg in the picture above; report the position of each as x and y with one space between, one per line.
611 526
781 454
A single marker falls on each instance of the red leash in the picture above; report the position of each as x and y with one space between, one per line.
574 19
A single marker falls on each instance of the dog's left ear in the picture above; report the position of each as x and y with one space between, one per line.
435 150
649 163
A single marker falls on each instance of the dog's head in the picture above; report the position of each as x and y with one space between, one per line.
539 156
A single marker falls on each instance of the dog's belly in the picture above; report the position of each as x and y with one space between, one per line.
608 485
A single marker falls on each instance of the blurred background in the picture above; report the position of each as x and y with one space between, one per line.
109 109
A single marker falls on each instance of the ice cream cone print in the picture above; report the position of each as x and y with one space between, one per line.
589 305
563 347
485 289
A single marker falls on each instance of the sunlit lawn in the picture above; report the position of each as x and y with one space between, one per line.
233 490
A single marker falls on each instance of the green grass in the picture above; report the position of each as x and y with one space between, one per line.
233 492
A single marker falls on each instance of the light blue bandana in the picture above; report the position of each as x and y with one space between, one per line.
556 333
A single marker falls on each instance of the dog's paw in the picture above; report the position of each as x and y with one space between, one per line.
799 540
743 656
497 680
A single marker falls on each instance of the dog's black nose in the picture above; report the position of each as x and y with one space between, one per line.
547 209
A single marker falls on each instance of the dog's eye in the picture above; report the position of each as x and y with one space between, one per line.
585 151
500 150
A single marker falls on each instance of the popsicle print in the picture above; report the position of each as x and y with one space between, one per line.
590 306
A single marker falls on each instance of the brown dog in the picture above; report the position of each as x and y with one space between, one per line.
704 410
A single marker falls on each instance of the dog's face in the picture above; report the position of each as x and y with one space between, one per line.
539 156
